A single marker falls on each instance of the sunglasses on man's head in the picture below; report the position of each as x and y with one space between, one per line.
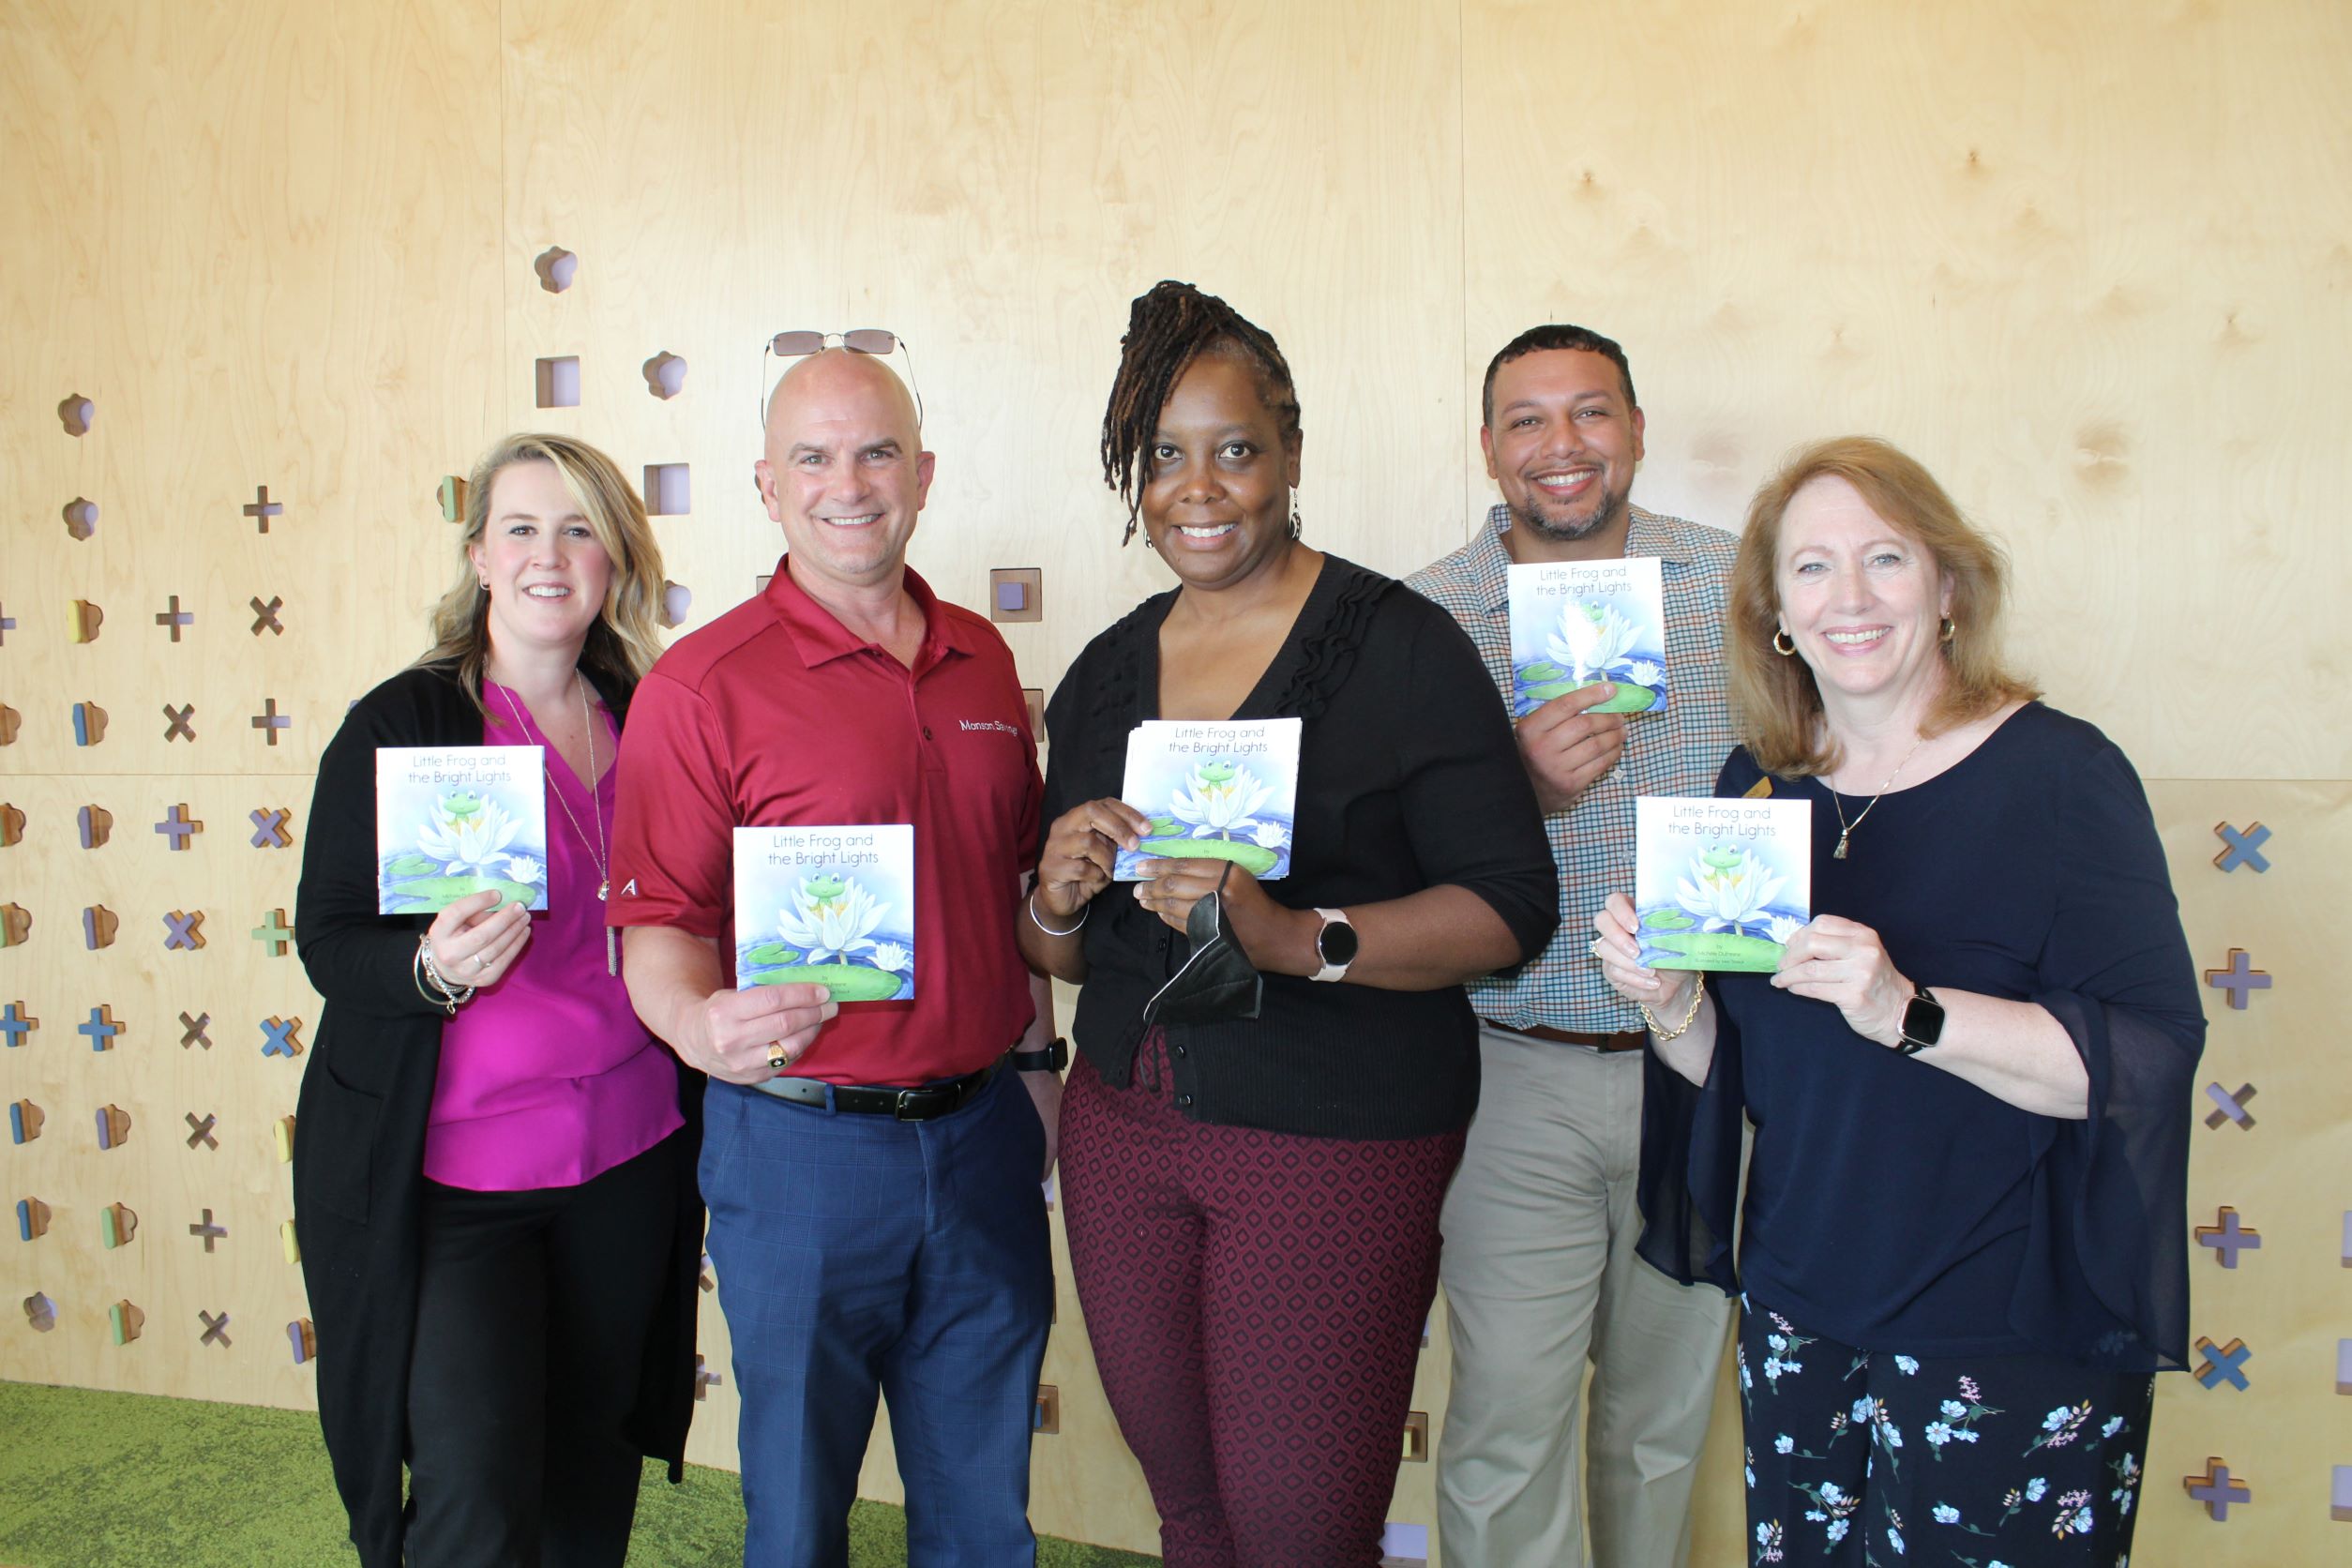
875 341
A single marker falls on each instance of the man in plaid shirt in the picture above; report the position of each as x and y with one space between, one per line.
1540 1279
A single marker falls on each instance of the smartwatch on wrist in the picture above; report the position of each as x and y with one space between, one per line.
1050 1059
1923 1022
1335 945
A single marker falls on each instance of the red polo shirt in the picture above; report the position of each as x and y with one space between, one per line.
776 715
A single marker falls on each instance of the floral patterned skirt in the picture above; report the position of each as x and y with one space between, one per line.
1859 1458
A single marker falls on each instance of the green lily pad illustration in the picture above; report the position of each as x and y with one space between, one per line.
1163 825
770 953
431 894
1546 690
1719 951
1542 671
412 865
1625 697
1667 920
1253 858
846 981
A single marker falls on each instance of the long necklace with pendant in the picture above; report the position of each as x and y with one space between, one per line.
598 852
1845 829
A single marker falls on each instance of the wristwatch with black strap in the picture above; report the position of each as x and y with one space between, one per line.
1050 1059
1923 1022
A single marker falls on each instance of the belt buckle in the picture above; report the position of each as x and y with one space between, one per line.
906 1100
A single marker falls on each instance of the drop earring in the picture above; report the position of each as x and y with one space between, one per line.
1294 513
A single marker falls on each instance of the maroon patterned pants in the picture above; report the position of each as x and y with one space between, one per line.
1256 1304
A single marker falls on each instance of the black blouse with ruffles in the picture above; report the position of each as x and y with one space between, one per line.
1408 778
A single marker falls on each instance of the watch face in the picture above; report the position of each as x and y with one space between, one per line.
1924 1020
1335 944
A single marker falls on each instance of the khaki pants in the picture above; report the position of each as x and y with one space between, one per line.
1541 1283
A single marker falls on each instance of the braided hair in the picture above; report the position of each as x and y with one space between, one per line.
1167 328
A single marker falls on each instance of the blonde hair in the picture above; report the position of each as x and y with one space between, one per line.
625 640
1774 700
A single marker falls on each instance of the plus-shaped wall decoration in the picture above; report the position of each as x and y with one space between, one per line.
2227 1238
261 508
177 826
2239 979
2218 1490
274 933
101 1028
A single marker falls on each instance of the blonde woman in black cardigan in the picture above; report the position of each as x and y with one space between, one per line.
493 1174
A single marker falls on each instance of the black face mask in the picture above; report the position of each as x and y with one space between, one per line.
1218 982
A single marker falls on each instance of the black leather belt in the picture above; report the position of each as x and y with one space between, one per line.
920 1104
1625 1039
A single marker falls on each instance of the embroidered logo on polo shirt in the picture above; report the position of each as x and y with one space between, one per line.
996 724
628 889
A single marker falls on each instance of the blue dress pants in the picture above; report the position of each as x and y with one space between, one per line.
858 1255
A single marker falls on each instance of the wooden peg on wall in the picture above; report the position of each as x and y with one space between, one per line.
117 1225
24 1122
11 826
16 925
31 1219
114 1126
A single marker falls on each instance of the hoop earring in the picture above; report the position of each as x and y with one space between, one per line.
1948 631
1781 643
1294 513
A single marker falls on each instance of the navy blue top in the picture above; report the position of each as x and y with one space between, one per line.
1894 1206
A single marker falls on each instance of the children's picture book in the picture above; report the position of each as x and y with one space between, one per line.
827 905
1573 622
1225 790
1720 884
454 819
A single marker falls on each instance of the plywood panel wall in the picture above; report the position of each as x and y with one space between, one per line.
2088 260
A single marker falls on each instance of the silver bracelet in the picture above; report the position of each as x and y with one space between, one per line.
451 996
1083 913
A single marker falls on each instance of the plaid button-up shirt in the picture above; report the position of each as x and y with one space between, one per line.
1676 753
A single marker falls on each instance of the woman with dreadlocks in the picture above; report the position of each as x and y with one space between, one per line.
1254 1163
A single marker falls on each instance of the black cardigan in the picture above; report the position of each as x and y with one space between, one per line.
1408 778
359 1144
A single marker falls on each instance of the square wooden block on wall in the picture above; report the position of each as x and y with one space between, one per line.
558 381
1016 594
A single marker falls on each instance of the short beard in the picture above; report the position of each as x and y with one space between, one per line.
1525 517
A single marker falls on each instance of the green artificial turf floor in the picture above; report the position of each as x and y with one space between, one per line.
95 1480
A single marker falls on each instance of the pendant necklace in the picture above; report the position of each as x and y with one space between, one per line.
1845 829
598 852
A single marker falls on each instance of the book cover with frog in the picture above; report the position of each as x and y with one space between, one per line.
1577 622
827 906
1226 789
456 820
1720 884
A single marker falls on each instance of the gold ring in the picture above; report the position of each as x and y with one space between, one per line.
778 1063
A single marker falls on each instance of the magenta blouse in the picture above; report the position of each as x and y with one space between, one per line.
547 1078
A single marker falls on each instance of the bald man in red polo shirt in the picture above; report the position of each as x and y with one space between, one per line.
873 1171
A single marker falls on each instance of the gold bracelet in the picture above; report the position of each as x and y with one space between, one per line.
1690 1017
